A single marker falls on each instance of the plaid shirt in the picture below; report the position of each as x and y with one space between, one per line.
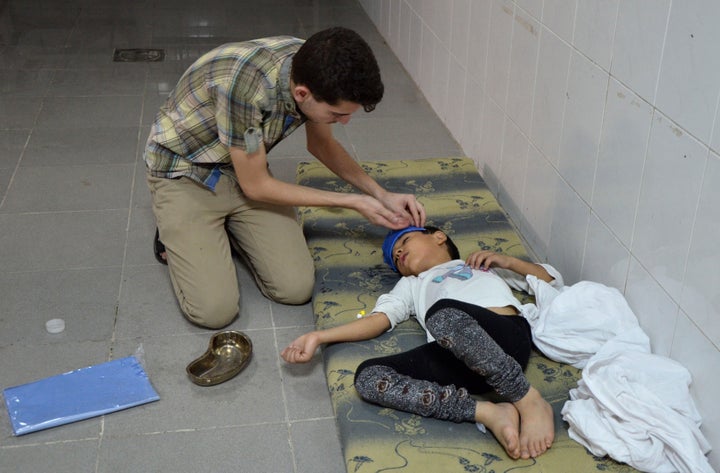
235 95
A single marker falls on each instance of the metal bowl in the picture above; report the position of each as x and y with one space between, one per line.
227 354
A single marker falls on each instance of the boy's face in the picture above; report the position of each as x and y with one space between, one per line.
323 112
415 252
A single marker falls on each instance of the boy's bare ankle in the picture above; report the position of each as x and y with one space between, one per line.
533 396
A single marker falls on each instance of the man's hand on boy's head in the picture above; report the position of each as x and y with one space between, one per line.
376 213
379 214
407 206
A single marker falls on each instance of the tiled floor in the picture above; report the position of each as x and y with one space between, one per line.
76 230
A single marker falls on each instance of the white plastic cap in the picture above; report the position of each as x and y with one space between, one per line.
55 325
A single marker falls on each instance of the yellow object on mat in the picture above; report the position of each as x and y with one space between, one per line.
350 275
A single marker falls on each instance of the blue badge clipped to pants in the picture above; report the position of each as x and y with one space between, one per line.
78 395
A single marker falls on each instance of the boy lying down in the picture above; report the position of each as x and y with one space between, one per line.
476 341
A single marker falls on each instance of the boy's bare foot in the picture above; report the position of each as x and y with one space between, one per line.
537 426
504 422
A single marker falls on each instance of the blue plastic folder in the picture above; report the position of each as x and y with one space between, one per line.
77 395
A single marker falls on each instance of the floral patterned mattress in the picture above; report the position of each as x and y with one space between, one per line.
350 275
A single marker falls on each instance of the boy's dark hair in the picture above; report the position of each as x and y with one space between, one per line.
337 64
449 244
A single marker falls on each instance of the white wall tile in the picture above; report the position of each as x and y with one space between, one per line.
654 308
595 30
512 169
621 158
532 7
559 16
456 103
699 356
460 32
479 37
488 157
568 232
440 20
473 118
639 40
419 6
523 61
384 12
437 95
415 46
501 24
690 69
403 37
715 143
549 100
427 54
702 278
541 181
606 260
668 200
393 23
586 92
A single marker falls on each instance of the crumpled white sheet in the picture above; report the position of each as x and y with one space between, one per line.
571 324
630 404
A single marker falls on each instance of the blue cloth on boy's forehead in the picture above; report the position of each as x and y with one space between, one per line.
389 243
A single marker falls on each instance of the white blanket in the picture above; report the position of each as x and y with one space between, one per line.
630 404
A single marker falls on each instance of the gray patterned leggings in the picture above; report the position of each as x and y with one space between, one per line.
475 349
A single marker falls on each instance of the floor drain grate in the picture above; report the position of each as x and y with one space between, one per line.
138 55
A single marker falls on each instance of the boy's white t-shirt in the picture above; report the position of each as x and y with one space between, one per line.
414 295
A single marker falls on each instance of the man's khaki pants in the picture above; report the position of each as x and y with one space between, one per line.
197 227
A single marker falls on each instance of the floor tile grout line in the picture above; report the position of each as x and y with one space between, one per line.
278 364
52 442
198 429
131 198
